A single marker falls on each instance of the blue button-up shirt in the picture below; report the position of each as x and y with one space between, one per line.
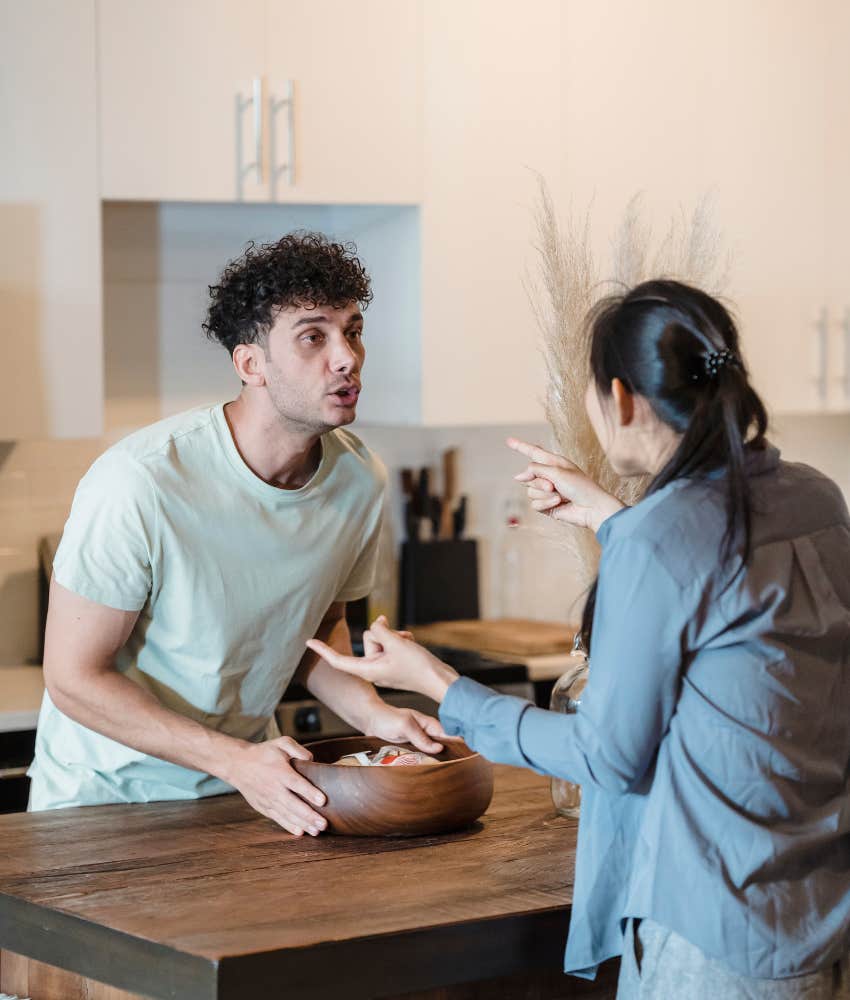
712 742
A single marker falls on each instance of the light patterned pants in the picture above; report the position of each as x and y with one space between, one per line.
659 965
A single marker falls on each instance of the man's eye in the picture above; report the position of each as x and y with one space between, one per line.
354 334
314 338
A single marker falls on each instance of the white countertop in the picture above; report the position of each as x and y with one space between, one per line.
21 689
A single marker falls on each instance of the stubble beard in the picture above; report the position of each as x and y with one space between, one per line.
292 409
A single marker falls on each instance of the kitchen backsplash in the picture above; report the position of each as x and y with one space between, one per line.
38 478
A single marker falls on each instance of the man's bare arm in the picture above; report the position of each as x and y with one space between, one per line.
81 642
356 702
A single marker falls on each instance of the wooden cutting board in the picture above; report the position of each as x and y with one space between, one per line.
503 636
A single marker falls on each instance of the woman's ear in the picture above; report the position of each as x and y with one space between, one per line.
624 403
249 362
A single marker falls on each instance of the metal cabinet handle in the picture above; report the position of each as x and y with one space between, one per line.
288 168
846 327
255 101
822 328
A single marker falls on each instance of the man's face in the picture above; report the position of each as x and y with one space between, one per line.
313 359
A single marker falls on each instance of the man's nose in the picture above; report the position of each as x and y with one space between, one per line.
344 358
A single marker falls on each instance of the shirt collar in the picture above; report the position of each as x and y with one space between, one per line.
757 462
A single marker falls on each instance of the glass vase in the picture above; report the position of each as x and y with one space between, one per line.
566 697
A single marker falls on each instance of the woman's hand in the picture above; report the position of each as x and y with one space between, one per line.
392 659
560 489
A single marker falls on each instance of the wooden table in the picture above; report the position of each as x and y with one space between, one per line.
207 899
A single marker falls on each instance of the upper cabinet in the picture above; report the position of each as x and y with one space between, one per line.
345 81
834 352
260 100
50 271
727 99
491 127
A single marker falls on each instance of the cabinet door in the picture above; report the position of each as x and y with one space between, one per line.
171 77
686 99
355 71
491 125
49 222
838 202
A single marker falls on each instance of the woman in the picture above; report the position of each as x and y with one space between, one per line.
712 743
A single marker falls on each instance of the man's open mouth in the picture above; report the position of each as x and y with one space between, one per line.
347 394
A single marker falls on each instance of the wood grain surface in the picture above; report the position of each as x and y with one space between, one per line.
501 636
209 890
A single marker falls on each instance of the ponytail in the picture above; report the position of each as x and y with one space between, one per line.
678 347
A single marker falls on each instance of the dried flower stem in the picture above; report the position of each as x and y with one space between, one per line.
567 286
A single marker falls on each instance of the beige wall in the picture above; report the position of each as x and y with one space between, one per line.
37 482
38 478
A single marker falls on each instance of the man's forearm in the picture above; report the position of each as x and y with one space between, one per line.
125 712
351 698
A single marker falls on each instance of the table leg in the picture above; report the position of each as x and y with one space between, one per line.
24 977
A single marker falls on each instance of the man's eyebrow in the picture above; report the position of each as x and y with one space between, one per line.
308 320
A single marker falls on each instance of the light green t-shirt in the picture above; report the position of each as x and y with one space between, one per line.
230 575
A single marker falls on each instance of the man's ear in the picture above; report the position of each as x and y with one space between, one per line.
624 403
249 360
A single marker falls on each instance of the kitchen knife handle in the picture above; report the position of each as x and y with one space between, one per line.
423 492
435 514
449 491
459 519
411 522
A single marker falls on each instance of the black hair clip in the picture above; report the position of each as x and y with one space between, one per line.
715 360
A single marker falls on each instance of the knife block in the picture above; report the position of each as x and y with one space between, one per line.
438 581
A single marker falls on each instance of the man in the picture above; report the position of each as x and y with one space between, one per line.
202 552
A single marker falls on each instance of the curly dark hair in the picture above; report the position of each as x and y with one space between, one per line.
301 269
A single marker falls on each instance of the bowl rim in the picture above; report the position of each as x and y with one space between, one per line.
408 768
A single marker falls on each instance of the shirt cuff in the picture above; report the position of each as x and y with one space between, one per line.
488 722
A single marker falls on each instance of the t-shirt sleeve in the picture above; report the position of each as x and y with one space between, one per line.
361 579
107 547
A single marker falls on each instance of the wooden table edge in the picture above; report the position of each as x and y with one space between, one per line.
110 956
397 962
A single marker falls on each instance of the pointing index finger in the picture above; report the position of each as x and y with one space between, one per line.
532 451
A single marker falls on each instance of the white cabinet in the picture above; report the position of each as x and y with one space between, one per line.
491 124
50 280
355 72
175 82
286 100
679 100
836 360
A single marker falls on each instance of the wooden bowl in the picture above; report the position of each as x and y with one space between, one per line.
399 801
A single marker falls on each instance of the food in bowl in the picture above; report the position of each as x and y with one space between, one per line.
388 756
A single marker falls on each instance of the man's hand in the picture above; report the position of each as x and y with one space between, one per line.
406 725
270 784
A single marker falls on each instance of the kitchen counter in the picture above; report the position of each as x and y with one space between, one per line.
21 689
207 899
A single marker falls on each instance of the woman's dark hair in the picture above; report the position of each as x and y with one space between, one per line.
301 269
678 348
